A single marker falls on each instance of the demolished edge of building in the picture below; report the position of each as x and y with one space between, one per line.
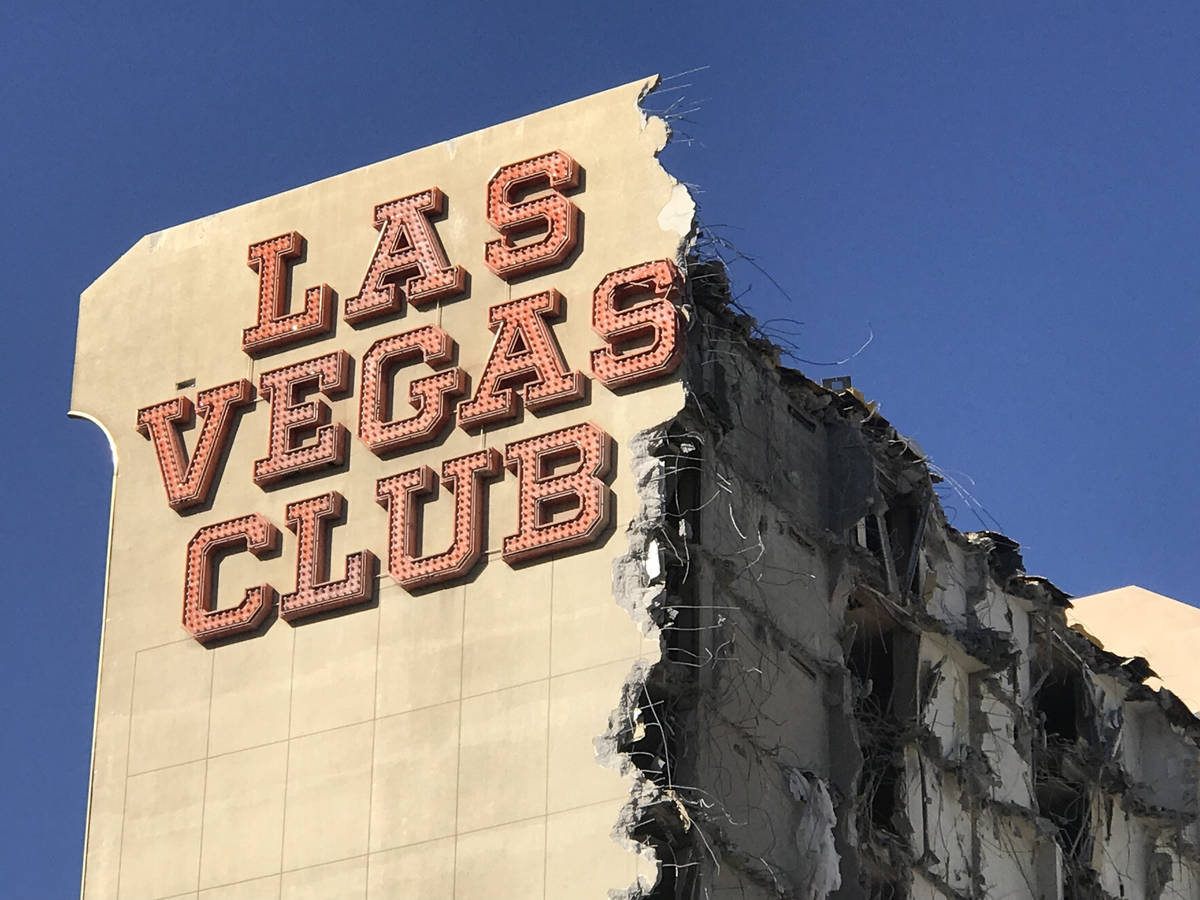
856 700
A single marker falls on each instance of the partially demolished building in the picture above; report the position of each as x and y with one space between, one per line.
854 698
702 629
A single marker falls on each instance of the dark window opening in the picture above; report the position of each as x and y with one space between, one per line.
1060 778
874 661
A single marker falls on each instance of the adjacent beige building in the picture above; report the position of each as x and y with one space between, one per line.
1133 621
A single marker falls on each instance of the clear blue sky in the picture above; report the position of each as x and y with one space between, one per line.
1008 195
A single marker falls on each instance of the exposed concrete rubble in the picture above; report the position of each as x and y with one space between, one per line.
855 700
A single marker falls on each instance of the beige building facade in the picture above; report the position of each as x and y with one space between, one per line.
469 541
372 471
1133 621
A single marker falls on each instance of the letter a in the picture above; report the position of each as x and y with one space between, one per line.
409 260
524 353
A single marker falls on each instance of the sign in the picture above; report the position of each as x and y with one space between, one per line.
562 499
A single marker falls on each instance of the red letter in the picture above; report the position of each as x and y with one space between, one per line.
276 328
188 481
200 617
552 213
656 320
283 387
398 494
524 351
541 494
312 521
409 258
428 395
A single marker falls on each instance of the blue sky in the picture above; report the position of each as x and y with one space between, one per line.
1006 196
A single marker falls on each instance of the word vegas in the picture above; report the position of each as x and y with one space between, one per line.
633 313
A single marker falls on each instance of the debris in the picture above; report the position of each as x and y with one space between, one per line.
853 698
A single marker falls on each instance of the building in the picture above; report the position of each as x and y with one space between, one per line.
612 601
1143 623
